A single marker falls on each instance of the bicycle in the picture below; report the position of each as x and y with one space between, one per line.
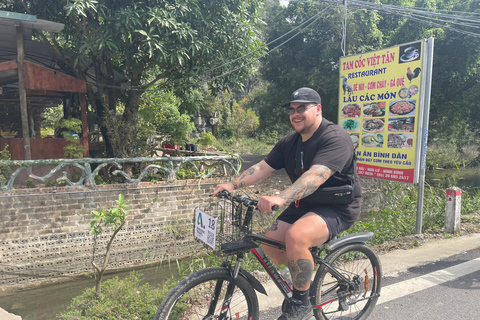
346 285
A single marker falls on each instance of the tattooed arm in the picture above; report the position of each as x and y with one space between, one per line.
303 187
307 183
249 177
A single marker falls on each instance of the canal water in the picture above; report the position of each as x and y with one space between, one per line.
45 302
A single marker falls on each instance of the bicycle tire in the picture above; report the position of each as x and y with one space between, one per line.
189 298
357 262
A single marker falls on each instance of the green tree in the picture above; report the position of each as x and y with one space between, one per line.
135 44
159 113
310 59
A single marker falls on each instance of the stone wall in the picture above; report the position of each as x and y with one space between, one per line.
44 233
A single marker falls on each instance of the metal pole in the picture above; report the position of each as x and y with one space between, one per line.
344 42
428 90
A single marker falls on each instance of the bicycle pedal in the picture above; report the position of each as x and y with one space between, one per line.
235 246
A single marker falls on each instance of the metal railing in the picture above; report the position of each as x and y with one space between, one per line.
203 166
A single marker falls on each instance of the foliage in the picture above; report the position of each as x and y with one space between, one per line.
245 145
206 139
70 130
243 122
51 120
5 170
447 154
121 299
115 218
135 45
29 184
159 114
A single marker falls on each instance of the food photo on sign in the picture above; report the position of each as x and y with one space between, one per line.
373 125
372 140
404 141
406 124
351 125
402 108
351 110
374 109
407 93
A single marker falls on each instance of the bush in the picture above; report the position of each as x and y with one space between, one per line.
206 139
5 170
120 299
447 155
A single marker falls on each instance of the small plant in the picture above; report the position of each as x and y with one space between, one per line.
99 180
29 184
114 217
50 184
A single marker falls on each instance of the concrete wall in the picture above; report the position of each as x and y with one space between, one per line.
44 233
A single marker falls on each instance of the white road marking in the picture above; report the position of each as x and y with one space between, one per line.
432 279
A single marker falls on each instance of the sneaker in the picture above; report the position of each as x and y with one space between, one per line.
296 310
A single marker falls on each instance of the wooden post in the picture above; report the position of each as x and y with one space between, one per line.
453 209
83 116
23 94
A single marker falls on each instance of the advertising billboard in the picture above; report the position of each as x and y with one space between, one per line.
381 107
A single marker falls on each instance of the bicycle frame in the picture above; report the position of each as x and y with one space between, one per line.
249 243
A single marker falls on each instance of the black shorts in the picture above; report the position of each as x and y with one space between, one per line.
330 215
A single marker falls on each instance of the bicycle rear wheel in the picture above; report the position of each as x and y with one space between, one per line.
335 299
192 297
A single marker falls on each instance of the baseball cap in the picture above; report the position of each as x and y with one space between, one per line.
306 95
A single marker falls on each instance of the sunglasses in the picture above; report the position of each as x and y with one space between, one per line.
299 109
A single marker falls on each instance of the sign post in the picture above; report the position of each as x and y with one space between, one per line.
384 102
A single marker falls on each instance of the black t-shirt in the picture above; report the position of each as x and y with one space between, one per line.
330 146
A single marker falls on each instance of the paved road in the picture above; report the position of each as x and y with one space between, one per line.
439 280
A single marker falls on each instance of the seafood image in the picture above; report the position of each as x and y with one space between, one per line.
372 140
373 125
402 107
351 110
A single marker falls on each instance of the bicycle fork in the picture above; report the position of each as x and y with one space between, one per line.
229 293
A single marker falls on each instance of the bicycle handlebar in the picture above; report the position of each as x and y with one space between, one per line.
242 199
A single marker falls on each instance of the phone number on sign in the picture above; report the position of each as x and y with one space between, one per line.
385 173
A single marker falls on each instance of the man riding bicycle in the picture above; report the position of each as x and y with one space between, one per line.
318 153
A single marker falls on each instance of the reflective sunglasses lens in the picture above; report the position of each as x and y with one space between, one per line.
300 109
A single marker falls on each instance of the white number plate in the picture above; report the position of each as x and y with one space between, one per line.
205 228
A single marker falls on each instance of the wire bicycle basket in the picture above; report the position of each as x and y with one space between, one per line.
227 216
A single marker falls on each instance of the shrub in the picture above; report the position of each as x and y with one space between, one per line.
5 170
120 299
206 139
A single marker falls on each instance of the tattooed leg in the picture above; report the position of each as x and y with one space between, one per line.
301 271
308 231
274 226
277 232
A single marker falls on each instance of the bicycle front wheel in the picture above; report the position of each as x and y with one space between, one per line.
334 298
194 298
